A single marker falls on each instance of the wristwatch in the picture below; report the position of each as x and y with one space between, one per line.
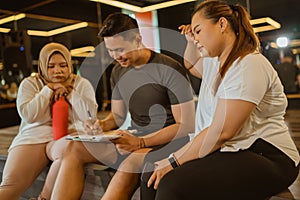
173 161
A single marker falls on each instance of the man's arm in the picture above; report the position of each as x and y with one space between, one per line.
184 115
116 117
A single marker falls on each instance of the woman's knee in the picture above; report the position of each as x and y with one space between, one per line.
12 187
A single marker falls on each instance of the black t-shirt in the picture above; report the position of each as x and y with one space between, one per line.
288 73
148 92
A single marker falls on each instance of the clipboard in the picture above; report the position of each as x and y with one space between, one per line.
93 138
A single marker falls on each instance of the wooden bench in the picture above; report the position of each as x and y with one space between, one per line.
293 101
293 96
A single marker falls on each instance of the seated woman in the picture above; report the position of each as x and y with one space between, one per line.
34 146
242 148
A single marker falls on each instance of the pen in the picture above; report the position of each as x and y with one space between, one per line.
92 121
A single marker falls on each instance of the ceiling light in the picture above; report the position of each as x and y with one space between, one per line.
68 28
133 8
38 33
87 51
282 42
266 24
12 18
58 30
85 54
291 43
5 30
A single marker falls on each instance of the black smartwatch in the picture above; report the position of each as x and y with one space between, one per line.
173 161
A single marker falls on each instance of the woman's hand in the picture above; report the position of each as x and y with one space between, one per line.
162 167
187 31
60 89
127 142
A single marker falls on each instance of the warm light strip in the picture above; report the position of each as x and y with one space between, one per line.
263 28
82 50
165 5
38 33
85 54
57 31
12 18
142 9
119 5
273 24
4 30
292 43
68 28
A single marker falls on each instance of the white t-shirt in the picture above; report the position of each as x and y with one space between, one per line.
34 109
252 79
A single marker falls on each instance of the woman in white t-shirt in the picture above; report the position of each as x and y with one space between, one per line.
34 146
242 148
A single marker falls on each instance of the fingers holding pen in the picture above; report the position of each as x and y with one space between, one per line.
92 127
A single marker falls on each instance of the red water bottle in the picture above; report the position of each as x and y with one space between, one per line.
60 118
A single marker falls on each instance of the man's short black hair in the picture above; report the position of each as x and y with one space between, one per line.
288 53
119 24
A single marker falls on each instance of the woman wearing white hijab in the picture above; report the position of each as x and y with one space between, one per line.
34 146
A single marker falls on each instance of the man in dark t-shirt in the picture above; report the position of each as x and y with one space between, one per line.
289 74
155 90
161 81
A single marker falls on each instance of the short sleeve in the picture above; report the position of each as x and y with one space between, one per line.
247 80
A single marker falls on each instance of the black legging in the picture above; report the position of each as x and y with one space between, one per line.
253 174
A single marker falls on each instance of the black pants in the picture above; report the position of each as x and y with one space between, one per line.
253 174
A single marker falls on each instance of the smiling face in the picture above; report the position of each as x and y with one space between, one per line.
57 68
207 35
123 51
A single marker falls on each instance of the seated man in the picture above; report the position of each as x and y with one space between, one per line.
155 90
289 74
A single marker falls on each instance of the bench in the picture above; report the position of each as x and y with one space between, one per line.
293 101
293 96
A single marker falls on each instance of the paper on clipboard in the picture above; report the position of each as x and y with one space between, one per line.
108 135
92 138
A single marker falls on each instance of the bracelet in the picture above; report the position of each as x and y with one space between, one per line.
190 67
142 143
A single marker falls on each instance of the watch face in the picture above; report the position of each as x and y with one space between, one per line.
173 161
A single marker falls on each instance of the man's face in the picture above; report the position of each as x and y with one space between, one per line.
123 51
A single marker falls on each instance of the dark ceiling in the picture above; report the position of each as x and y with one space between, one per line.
50 14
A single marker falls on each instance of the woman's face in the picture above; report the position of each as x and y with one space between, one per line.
207 35
57 69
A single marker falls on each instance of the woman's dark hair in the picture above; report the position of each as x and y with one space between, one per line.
119 24
239 20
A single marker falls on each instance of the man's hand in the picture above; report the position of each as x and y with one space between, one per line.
127 142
